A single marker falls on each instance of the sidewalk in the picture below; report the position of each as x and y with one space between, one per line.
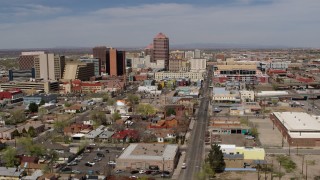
177 171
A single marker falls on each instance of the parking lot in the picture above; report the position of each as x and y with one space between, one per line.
100 166
268 136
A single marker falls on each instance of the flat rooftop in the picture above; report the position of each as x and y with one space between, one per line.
300 124
150 151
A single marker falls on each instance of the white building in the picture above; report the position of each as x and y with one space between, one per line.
247 96
198 65
197 54
194 76
144 62
189 54
222 95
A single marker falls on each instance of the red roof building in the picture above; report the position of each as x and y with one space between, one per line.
14 95
126 135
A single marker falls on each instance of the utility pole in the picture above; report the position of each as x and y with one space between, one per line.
279 170
306 170
302 164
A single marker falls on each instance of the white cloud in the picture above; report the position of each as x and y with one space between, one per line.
283 22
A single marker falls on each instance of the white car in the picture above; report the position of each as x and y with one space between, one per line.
184 166
142 171
91 163
112 163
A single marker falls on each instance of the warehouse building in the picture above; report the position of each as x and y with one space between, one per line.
298 128
144 156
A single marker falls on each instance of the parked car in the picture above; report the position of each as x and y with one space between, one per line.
76 172
249 137
184 166
118 171
66 170
107 151
72 163
97 159
156 172
100 155
134 172
142 171
112 163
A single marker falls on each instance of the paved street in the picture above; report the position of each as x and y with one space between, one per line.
195 151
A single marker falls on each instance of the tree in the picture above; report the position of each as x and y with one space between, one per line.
17 116
31 148
170 111
116 116
159 87
67 104
42 102
146 109
9 157
274 102
33 107
206 172
105 97
215 159
24 132
254 132
41 113
98 117
32 132
133 99
111 102
15 133
59 126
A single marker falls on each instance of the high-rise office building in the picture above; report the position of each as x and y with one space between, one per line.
26 59
96 62
100 52
161 49
115 62
148 51
49 66
197 54
78 70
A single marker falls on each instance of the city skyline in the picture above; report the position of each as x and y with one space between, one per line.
79 23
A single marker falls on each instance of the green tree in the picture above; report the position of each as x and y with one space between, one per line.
215 159
111 102
133 99
33 107
67 104
59 126
254 132
15 133
32 132
145 109
42 102
41 113
24 132
206 172
116 116
9 157
98 117
170 111
30 147
105 97
17 116
159 87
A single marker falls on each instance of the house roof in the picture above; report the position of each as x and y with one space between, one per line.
126 133
10 172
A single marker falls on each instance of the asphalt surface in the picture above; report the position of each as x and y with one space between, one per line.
195 151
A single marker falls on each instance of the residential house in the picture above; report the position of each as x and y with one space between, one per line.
7 173
164 135
169 122
76 108
126 136
179 110
92 135
188 103
77 128
48 176
106 136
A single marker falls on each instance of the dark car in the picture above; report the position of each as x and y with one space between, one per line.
100 155
155 173
149 172
153 167
134 172
88 164
66 170
107 151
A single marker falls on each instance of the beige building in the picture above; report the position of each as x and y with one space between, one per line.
144 155
40 86
198 65
177 65
49 66
247 96
78 70
194 76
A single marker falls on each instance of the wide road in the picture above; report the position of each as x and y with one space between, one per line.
194 156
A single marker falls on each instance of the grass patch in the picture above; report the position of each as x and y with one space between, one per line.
287 163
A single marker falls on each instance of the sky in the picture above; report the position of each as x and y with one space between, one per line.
134 23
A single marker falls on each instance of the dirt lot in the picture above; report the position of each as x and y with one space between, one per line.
313 170
268 136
